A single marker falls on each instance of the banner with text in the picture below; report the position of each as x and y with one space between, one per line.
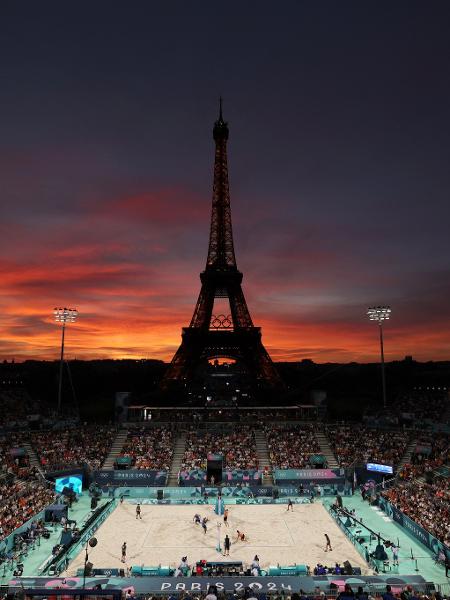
305 475
131 477
168 585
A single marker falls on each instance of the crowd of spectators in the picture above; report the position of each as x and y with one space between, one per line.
431 453
426 504
19 501
14 460
83 444
238 447
17 405
352 445
149 448
291 447
423 404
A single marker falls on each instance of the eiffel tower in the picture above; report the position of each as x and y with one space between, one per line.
212 336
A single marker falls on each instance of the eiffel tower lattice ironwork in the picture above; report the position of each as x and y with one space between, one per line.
223 335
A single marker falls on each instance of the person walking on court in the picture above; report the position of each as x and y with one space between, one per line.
327 543
138 511
226 545
290 505
394 555
124 552
225 518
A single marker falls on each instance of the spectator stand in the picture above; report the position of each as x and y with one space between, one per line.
149 448
293 447
361 445
81 444
427 505
236 443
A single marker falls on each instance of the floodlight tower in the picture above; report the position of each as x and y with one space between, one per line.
63 315
380 314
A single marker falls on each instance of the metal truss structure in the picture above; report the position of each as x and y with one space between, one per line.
223 335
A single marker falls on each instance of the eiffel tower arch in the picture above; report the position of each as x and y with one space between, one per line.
216 334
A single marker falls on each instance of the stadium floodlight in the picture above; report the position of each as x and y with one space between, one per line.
380 314
63 316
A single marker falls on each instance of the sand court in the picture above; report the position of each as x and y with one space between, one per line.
167 532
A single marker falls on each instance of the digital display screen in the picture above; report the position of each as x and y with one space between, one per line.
214 457
380 468
73 482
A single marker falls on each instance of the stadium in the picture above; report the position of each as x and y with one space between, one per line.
218 480
73 494
217 468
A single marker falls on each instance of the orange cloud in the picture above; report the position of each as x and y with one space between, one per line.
131 265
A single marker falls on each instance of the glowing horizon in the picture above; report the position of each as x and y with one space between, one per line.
133 300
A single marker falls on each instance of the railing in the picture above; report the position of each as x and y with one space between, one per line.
386 484
359 547
64 561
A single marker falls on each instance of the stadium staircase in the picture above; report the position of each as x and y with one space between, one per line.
33 458
262 451
406 458
326 450
178 453
116 449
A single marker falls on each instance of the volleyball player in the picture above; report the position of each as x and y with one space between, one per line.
204 521
225 518
226 545
240 536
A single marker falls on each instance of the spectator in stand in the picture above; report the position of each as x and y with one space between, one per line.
423 404
82 444
367 445
388 594
149 448
426 504
19 501
18 465
291 447
238 447
16 404
431 453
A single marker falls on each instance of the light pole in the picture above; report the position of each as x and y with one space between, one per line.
380 314
63 315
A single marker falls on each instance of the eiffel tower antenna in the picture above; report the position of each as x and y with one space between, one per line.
221 336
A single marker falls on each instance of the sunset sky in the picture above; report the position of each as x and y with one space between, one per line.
339 158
